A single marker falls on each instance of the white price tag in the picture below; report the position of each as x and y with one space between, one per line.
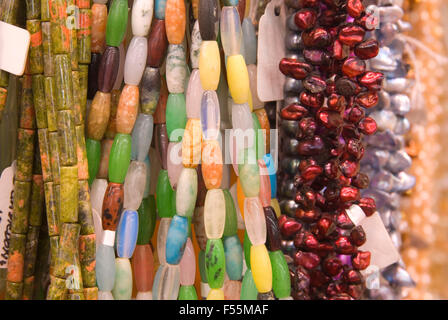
14 44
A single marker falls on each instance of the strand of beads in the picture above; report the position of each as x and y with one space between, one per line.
385 163
8 13
322 148
120 153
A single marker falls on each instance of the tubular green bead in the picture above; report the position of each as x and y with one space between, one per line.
67 138
35 53
25 154
83 85
27 117
146 220
37 201
166 204
68 249
44 10
202 269
57 289
87 256
54 156
60 34
4 79
231 225
54 249
83 166
14 290
45 154
187 293
84 35
73 49
16 257
69 194
32 240
39 101
246 249
33 8
77 99
85 209
52 209
22 192
64 82
9 11
28 288
47 50
120 157
50 103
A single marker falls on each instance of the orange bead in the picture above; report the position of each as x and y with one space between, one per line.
103 170
240 196
127 109
191 144
99 22
264 123
211 164
143 267
175 20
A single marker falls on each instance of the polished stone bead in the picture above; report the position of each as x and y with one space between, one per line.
215 263
98 118
97 191
188 265
127 231
254 220
134 185
238 79
105 267
165 196
281 282
210 115
175 21
157 42
93 149
162 234
135 60
212 164
176 69
166 283
230 31
186 192
161 142
208 17
214 213
215 294
141 17
249 172
261 268
176 116
108 69
117 20
120 157
234 257
176 239
142 136
209 65
127 109
143 267
273 241
248 288
249 41
174 165
112 205
99 21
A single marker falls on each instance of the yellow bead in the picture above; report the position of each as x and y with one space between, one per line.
215 294
276 206
238 79
209 65
192 143
240 196
261 268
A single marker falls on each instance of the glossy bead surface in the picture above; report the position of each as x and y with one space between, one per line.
208 17
231 224
254 220
127 109
99 22
281 281
93 149
188 265
214 213
108 69
103 170
135 62
252 71
157 43
175 21
209 65
249 172
174 165
191 144
105 267
238 79
159 9
98 118
261 268
194 95
210 115
248 288
134 185
142 136
123 279
176 239
141 17
211 165
196 41
249 41
176 116
112 205
234 257
164 196
176 68
162 238
127 231
120 157
147 216
143 267
231 33
187 292
150 90
215 294
186 192
117 20
215 264
97 192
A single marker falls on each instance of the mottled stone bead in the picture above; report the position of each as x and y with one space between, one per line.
215 263
112 205
214 213
195 47
176 238
175 21
98 33
176 69
212 165
142 136
135 62
191 144
234 257
127 231
150 90
123 279
108 69
127 109
141 17
208 17
209 65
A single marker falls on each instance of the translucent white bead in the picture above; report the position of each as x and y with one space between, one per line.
255 221
166 283
250 42
142 17
142 136
135 60
134 185
214 213
186 192
231 33
194 95
196 41
97 191
210 115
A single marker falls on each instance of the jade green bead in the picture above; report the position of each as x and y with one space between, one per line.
146 220
202 269
93 148
246 248
117 21
165 199
281 281
215 263
187 293
231 224
248 288
249 172
176 116
259 139
120 157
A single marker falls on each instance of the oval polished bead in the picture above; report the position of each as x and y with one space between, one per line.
191 144
157 43
93 149
210 115
161 239
143 267
123 279
108 69
175 21
259 139
117 21
249 172
159 9
134 185
176 116
97 193
150 90
112 205
150 171
120 157
120 76
234 257
215 294
103 170
105 267
211 166
135 62
215 264
141 17
195 47
127 231
161 143
194 95
232 289
142 136
94 65
265 184
98 118
176 68
176 239
238 79
252 71
248 289
166 283
188 265
231 224
99 22
214 213
208 17
273 241
209 65
127 109
147 216
186 192
281 280
261 268
174 165
249 42
254 220
164 196
231 33
187 292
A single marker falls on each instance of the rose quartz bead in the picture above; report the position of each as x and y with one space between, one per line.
174 162
255 220
143 267
188 265
194 95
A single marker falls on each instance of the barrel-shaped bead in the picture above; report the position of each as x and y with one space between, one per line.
194 95
127 109
249 172
215 264
175 21
141 17
248 288
210 115
150 90
186 192
261 268
188 265
254 220
142 136
238 79
176 116
164 196
134 185
216 294
231 33
231 224
117 21
195 47
234 257
250 42
105 267
93 148
157 43
143 267
281 280
162 238
176 68
174 162
120 157
176 239
191 143
112 205
147 217
212 164
214 213
166 283
208 17
159 9
209 65
108 70
127 231
135 62
98 118
123 279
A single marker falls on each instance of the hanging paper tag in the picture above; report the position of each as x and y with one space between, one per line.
6 209
14 44
271 49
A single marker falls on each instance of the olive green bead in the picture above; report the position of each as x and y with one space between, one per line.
281 281
69 194
231 224
215 263
93 148
202 269
146 220
120 157
246 247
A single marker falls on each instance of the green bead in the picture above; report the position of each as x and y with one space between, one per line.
231 225
166 206
146 220
281 281
176 116
93 148
187 293
123 279
248 288
120 157
202 270
117 21
215 263
246 247
249 172
259 139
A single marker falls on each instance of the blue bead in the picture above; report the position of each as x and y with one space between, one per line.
176 239
127 232
270 164
159 9
105 267
234 257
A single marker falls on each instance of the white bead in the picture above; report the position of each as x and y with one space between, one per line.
142 17
135 60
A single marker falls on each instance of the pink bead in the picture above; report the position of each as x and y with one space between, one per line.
255 221
188 265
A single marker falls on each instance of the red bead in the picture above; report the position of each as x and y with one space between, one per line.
354 115
361 181
316 38
355 8
314 100
352 276
311 147
332 266
290 227
343 221
367 99
355 148
318 278
353 67
305 19
344 246
349 168
355 290
372 80
325 225
368 206
351 35
361 260
307 260
294 68
293 112
308 215
368 126
349 194
307 127
358 236
368 49
334 289
330 119
311 172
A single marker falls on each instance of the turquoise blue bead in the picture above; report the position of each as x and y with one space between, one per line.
142 136
176 239
270 165
234 257
127 232
105 267
159 9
